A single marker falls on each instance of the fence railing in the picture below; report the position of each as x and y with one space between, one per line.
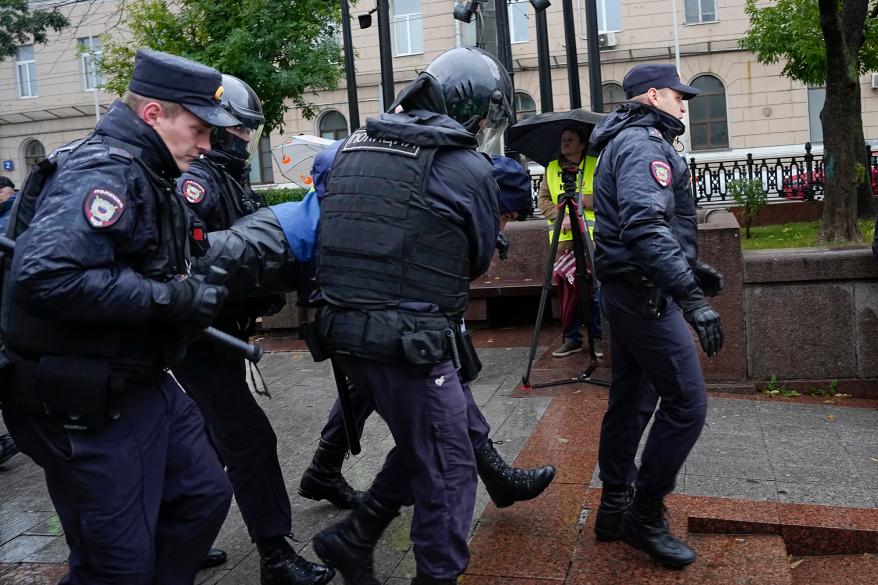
784 178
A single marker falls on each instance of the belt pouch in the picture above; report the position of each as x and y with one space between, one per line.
74 390
470 364
650 302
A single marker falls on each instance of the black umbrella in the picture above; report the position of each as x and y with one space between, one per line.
539 137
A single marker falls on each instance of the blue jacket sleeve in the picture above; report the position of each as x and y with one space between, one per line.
67 269
645 210
299 221
321 166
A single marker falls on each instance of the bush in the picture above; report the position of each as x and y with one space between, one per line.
750 195
275 196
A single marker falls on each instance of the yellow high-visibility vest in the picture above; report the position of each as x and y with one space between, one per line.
586 187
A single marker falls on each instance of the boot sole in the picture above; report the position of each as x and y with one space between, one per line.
604 536
669 564
317 498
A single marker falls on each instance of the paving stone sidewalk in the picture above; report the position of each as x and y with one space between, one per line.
750 450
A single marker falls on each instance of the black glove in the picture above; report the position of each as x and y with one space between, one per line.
502 245
194 304
709 279
705 321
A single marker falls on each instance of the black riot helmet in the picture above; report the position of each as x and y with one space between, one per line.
477 92
240 101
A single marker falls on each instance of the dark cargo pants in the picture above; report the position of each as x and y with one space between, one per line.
652 359
142 500
242 435
432 464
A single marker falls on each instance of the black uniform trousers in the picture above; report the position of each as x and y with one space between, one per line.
652 360
215 377
142 500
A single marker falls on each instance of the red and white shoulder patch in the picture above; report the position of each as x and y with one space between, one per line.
102 208
661 172
193 191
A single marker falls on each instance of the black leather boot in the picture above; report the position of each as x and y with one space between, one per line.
214 558
614 503
348 545
323 479
280 565
645 527
507 485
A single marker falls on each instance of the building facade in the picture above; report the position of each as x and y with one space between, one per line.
49 94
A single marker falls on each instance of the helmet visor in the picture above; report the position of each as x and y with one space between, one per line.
494 125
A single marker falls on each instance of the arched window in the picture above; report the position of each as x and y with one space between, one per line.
525 106
333 125
708 120
613 94
34 152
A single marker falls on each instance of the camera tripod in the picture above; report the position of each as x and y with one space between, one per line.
582 246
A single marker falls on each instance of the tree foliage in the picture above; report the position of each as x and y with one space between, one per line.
284 50
21 26
790 30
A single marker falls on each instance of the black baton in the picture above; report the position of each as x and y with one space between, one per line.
347 410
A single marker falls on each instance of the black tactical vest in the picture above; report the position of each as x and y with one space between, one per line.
235 200
381 243
133 347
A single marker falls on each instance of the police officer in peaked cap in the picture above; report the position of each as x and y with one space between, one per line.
653 285
217 188
97 305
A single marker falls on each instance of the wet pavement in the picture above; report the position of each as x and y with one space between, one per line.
782 476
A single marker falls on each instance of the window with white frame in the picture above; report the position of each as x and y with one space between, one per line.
261 171
34 152
517 14
698 11
26 71
525 106
613 94
708 117
609 15
407 27
90 51
816 99
333 125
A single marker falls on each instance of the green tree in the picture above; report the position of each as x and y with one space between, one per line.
282 49
20 26
751 196
831 42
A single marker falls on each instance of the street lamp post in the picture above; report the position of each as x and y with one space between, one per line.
350 73
572 59
387 90
594 56
546 101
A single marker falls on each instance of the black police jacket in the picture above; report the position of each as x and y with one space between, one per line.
90 270
219 200
645 214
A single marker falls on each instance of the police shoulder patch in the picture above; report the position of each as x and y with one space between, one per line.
193 191
661 172
102 208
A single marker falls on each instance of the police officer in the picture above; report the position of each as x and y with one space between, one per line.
652 286
96 305
216 187
408 219
505 484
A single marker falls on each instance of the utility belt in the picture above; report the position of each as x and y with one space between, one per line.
650 298
398 336
80 394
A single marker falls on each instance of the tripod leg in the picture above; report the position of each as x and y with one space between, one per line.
584 282
544 294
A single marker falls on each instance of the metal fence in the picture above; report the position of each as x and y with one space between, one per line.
785 178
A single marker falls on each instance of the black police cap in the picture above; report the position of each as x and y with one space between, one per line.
643 77
170 78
